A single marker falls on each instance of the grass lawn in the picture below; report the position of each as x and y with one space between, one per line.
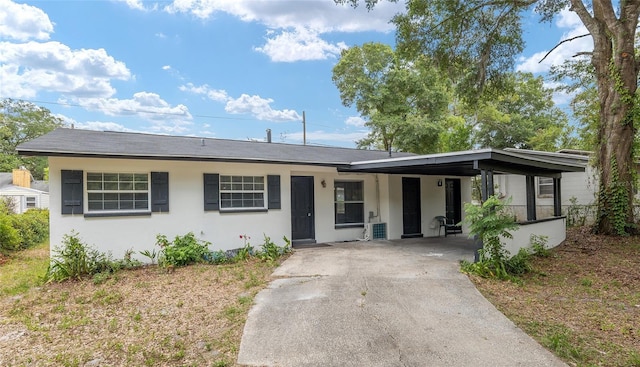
23 270
582 302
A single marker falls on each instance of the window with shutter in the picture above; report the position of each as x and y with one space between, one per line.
160 192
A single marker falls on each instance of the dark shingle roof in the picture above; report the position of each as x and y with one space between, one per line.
89 143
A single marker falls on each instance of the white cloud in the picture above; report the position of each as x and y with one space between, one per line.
166 67
135 4
26 68
566 20
256 106
299 44
355 121
260 108
322 16
23 22
143 104
218 95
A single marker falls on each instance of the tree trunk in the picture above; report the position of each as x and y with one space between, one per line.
616 74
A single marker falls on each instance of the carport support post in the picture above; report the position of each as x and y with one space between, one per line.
531 197
486 183
557 199
486 188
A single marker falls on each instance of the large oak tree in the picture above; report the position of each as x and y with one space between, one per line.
478 40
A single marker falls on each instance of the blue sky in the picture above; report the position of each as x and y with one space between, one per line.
212 68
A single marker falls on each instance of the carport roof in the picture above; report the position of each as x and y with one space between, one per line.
471 162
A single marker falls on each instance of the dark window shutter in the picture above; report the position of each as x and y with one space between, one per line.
211 191
273 187
159 191
71 192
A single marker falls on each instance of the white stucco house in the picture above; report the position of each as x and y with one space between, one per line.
120 190
22 191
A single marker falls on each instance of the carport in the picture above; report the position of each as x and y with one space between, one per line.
484 164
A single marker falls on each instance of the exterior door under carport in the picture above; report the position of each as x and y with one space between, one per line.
302 210
453 201
411 210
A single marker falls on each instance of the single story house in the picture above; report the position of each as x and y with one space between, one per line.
23 191
119 190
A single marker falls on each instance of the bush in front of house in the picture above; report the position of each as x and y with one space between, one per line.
75 260
183 250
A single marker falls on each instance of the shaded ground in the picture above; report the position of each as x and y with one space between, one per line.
191 316
582 302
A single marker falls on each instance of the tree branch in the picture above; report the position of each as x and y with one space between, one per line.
561 42
582 54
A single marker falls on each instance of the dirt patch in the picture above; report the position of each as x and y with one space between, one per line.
582 302
190 316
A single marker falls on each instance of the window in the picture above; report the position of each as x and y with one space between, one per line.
31 202
242 192
117 191
545 186
349 203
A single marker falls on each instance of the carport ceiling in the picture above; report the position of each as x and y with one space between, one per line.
469 163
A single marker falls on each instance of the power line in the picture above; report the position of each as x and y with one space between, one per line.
143 111
66 104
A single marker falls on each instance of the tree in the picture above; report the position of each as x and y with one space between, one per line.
523 115
402 101
23 121
480 38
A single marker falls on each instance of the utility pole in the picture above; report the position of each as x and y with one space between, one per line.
304 129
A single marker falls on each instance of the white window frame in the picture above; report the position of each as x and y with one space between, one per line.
30 202
341 201
121 187
243 190
545 182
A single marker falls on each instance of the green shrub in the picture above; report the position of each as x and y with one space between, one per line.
539 245
72 261
520 263
270 251
32 227
183 250
76 260
9 237
490 222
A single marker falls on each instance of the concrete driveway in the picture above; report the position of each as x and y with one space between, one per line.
388 303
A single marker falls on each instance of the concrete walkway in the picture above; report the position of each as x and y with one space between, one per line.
389 303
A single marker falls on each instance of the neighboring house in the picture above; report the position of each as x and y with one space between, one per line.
120 190
23 192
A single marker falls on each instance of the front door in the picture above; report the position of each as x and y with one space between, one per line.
453 206
302 219
411 217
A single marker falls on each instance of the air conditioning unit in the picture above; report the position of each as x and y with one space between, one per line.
376 231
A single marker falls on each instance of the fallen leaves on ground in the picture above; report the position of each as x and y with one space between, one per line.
148 316
583 300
